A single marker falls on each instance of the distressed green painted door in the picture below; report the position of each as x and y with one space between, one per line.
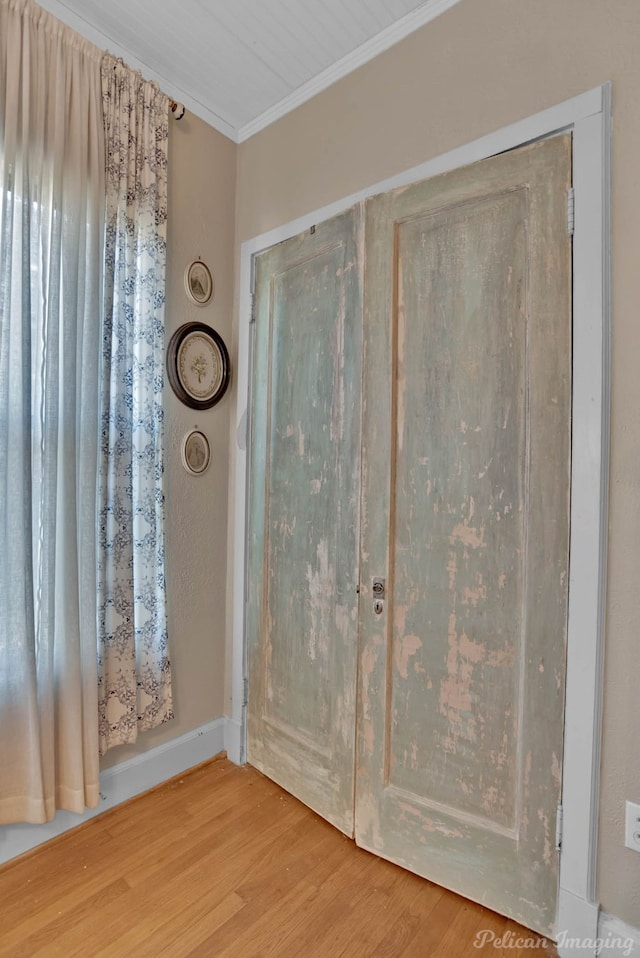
465 506
305 488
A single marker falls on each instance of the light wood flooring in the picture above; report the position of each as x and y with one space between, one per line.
221 863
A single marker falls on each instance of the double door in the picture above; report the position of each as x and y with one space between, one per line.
410 477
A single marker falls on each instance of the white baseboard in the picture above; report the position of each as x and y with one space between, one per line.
583 931
617 938
122 782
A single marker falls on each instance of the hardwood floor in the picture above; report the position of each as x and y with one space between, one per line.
221 863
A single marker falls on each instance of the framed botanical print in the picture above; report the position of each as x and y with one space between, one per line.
198 365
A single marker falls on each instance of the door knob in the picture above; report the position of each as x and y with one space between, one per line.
378 589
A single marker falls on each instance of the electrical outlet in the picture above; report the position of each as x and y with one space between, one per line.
632 826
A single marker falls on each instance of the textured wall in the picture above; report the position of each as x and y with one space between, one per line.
201 224
477 68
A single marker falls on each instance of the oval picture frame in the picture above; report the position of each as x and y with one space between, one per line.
198 282
196 452
198 365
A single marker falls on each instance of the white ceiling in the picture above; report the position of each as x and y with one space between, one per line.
241 64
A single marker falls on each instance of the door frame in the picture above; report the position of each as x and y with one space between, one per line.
588 118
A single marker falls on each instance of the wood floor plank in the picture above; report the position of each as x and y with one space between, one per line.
222 863
188 845
264 933
175 883
400 934
41 927
412 907
463 927
181 931
196 922
309 929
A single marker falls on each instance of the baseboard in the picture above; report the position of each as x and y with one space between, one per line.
122 782
583 931
617 938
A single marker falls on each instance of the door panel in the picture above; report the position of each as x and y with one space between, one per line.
305 487
458 505
465 513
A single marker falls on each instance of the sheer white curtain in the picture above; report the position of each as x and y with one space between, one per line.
135 674
51 242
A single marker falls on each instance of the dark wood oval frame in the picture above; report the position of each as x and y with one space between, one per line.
172 365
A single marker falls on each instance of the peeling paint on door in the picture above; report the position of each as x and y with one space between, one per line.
461 504
466 481
302 615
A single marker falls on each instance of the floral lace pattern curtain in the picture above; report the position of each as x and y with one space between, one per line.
134 668
51 243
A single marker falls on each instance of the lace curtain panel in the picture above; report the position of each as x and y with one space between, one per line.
134 669
51 242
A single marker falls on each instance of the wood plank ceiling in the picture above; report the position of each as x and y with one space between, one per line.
240 64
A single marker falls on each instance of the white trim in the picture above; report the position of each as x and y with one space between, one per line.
589 501
577 918
233 743
587 933
612 932
347 64
240 504
122 782
588 116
